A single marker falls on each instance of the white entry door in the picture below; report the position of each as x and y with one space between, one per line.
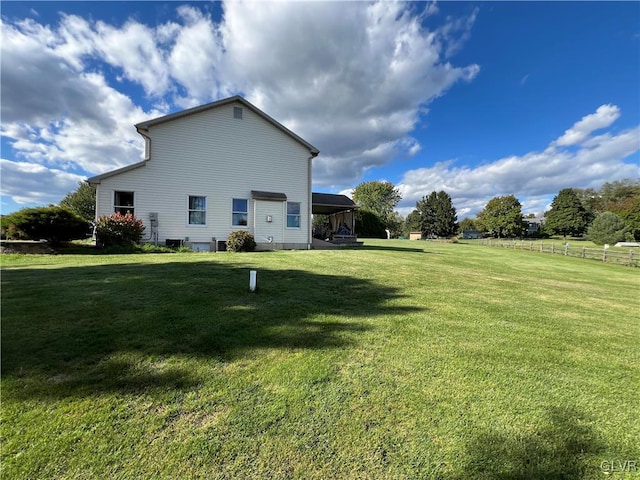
268 219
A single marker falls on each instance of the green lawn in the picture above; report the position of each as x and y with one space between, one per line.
396 360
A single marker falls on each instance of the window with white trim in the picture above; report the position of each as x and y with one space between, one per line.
123 202
293 214
197 210
240 212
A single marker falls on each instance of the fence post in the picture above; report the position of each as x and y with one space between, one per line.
531 246
604 255
566 249
552 248
631 258
541 247
584 252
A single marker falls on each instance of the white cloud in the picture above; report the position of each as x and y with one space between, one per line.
604 116
353 80
535 176
22 181
57 115
196 58
134 49
457 31
353 84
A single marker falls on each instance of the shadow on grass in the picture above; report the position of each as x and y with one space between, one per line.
390 248
562 449
69 325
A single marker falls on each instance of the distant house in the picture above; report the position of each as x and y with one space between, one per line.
534 224
214 169
471 234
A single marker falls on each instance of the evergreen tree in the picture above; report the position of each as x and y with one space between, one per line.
427 208
590 200
82 201
413 223
607 228
502 217
445 217
629 210
437 214
567 215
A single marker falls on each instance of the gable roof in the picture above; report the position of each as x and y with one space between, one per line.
208 106
144 127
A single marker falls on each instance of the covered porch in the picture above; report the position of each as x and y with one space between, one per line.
340 211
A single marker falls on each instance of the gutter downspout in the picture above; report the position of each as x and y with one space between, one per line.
147 144
153 233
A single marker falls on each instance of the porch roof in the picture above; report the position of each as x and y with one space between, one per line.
328 203
273 196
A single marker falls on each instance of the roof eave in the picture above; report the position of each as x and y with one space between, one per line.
98 178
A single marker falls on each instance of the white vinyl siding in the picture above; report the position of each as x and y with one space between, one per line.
269 221
213 154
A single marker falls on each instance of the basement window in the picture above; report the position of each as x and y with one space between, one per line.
237 113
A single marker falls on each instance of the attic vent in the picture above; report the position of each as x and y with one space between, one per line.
237 113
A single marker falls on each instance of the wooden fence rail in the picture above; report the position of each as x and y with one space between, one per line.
618 257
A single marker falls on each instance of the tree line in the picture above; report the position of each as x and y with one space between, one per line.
608 214
605 215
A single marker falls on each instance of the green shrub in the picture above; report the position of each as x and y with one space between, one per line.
118 229
240 241
607 228
321 227
54 224
369 224
151 248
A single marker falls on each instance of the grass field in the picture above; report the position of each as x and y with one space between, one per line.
396 360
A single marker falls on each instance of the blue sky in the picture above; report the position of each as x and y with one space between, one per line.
479 99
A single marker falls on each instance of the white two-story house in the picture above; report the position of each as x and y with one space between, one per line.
214 169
